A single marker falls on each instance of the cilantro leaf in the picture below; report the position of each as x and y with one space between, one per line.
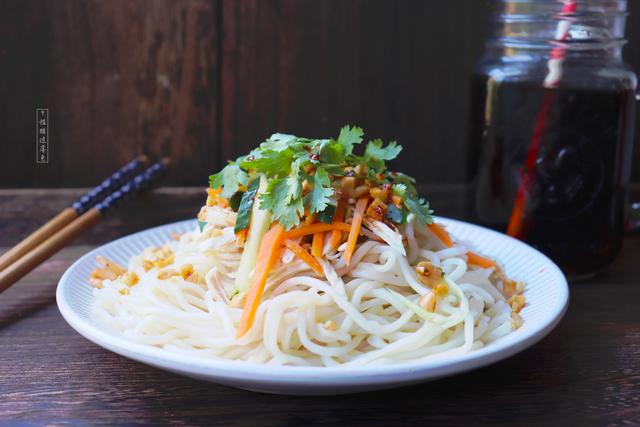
275 193
402 178
294 183
375 150
420 209
375 154
230 179
319 197
274 199
335 170
269 162
331 152
289 215
350 136
399 189
278 142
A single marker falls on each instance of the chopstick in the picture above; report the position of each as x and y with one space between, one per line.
71 231
67 215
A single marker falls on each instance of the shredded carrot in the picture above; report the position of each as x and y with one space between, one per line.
317 244
304 255
336 235
356 223
241 236
318 227
475 259
309 219
267 256
441 233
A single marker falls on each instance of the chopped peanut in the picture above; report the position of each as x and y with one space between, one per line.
512 287
116 268
378 193
361 169
103 273
195 278
124 291
428 302
516 321
377 210
214 198
441 290
167 273
509 287
330 325
516 303
186 271
348 186
147 265
130 278
428 273
163 262
96 283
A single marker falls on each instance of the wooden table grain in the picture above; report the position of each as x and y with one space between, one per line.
586 372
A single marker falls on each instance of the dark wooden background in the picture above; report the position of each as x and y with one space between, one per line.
204 80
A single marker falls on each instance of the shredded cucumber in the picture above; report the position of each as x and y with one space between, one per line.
246 206
327 214
258 227
431 317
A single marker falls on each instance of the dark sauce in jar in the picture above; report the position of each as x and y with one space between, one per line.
574 193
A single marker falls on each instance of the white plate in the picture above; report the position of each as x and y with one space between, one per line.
547 296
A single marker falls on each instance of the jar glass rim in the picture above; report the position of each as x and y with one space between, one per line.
546 44
539 6
556 16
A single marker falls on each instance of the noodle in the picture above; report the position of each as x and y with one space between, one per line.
368 312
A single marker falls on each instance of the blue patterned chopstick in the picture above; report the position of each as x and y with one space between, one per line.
109 185
139 183
71 213
72 230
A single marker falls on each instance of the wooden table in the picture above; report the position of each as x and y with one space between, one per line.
586 372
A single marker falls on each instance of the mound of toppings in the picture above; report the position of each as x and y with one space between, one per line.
307 179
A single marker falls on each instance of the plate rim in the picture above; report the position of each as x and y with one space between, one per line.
240 371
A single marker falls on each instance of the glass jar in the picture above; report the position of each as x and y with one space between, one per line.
552 128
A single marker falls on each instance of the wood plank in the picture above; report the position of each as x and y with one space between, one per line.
389 67
205 80
119 78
